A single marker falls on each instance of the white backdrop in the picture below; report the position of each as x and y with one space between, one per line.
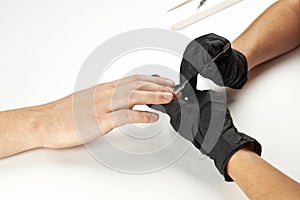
43 45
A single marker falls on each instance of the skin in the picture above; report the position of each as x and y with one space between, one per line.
260 180
53 125
273 33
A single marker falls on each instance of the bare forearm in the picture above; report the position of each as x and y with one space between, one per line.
53 125
45 126
275 32
21 130
260 180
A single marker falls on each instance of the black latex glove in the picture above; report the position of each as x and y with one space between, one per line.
229 68
205 121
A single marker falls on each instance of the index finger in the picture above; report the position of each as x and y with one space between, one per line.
153 79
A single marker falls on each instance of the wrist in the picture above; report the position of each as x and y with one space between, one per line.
239 45
40 124
244 155
228 144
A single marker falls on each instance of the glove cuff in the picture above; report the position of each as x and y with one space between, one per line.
242 71
227 145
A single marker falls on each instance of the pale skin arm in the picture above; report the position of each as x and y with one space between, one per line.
53 126
260 180
273 33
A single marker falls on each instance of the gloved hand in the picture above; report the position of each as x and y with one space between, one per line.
205 120
228 69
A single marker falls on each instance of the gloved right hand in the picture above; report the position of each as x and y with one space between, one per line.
205 121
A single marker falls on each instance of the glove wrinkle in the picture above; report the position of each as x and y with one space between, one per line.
205 121
229 69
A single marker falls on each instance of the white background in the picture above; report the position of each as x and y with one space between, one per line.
42 47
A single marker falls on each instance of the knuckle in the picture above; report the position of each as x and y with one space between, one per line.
138 84
157 79
132 117
144 117
154 96
131 97
166 89
136 77
162 89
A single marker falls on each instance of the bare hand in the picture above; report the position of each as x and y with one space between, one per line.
88 114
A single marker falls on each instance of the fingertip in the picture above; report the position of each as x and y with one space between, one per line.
168 96
154 117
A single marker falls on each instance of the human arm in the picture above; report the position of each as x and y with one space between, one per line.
274 32
260 180
54 125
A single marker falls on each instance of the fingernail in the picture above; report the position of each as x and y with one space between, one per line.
168 89
167 95
154 117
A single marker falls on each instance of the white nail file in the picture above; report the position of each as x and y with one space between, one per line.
203 14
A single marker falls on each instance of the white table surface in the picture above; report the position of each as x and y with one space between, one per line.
43 45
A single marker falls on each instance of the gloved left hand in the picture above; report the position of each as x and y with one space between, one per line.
212 57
